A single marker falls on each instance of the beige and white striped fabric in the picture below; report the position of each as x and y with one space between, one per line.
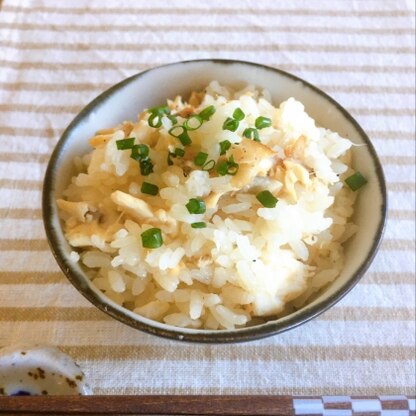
55 56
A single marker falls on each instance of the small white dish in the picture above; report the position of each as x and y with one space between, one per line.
35 370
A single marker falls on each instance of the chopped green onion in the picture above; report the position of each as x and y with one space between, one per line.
199 225
222 168
139 152
200 158
263 122
230 124
196 206
160 110
181 133
170 156
146 167
135 156
228 167
185 139
193 123
179 152
232 167
209 165
156 115
149 188
155 120
207 113
152 238
176 131
267 199
124 144
224 146
251 134
356 181
141 149
172 118
238 114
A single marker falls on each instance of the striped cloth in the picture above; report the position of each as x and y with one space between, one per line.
56 56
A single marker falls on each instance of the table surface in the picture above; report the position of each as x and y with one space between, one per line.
56 56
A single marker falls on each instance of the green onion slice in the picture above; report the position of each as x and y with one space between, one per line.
356 181
251 134
160 110
155 120
193 123
267 199
156 115
196 206
139 152
200 159
172 118
124 144
228 167
262 122
181 133
207 113
222 168
146 167
232 166
149 188
199 225
224 146
152 238
185 139
170 157
238 114
176 131
209 165
230 124
179 152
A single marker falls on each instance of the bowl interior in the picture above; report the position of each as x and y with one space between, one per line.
125 100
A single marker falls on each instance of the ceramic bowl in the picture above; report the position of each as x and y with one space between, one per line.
150 88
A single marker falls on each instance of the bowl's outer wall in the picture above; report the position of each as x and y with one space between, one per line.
153 87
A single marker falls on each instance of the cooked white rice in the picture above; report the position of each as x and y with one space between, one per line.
250 261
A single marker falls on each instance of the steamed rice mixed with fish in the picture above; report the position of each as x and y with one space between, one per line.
214 213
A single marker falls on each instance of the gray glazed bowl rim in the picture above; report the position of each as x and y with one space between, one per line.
256 332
